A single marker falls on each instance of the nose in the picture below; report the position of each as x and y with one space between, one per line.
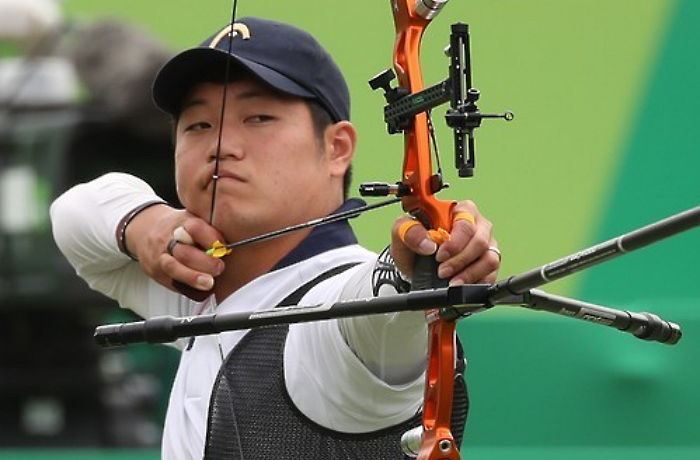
226 147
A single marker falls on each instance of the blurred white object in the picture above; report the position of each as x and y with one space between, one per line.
41 81
43 416
19 208
25 20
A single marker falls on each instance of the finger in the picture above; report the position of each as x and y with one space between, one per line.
484 270
175 270
474 249
201 232
466 220
489 279
408 238
196 259
462 232
463 215
413 236
493 248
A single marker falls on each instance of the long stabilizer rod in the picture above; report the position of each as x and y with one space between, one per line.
602 252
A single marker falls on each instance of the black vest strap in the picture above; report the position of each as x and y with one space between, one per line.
295 297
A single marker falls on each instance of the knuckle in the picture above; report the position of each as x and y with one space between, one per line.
397 225
492 263
491 277
197 225
202 233
184 258
193 225
408 231
167 263
462 232
196 260
464 206
468 228
211 265
481 244
467 277
470 206
148 269
415 235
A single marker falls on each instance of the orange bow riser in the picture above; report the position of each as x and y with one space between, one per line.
411 18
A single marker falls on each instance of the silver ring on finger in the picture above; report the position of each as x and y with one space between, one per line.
495 250
171 246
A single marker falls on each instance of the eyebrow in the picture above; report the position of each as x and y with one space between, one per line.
255 93
188 104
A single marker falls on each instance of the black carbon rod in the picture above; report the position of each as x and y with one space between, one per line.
643 325
602 252
164 329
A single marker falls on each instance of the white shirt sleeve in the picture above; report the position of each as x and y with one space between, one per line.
359 374
393 346
84 221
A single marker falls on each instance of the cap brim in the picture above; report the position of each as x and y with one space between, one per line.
181 73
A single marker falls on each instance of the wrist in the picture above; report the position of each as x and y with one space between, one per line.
125 226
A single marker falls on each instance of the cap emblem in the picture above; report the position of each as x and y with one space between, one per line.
238 28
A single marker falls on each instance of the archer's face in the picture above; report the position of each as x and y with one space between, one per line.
273 169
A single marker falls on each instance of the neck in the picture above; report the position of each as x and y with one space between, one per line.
247 263
251 261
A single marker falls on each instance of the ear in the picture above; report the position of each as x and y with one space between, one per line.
340 139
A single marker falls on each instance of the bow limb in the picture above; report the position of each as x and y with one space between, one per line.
437 440
417 167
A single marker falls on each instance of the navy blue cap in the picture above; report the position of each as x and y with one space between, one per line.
285 57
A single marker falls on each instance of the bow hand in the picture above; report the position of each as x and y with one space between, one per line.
467 256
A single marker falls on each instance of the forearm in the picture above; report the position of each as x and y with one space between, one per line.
392 346
84 221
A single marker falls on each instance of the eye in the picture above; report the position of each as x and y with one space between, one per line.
260 118
198 126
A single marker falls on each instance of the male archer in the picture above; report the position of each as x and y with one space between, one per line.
279 156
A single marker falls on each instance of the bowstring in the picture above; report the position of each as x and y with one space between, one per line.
227 71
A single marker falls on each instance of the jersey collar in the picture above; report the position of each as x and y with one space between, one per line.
323 238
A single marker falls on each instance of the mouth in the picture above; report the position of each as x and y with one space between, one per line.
224 176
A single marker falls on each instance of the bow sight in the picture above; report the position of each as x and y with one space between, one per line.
463 116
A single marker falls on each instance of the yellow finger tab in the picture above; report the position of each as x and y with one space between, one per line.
405 227
439 236
464 216
218 250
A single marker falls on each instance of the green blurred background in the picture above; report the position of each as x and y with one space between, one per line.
604 141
